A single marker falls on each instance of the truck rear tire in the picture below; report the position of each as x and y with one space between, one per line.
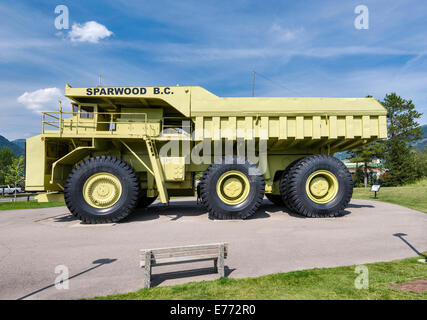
284 184
319 186
103 189
232 189
275 198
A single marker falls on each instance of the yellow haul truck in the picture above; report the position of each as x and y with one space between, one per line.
123 147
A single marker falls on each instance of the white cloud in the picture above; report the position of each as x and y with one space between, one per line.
280 34
90 31
42 99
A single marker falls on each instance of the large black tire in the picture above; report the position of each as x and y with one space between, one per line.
297 196
284 184
145 201
275 198
73 191
217 208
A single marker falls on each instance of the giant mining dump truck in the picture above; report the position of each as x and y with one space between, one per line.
121 148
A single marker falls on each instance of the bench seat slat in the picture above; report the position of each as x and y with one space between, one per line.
186 248
156 255
163 261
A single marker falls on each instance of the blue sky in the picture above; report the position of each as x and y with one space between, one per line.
306 48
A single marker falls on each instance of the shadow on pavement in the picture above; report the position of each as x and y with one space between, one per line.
268 208
67 218
357 206
188 208
176 210
157 279
401 237
98 263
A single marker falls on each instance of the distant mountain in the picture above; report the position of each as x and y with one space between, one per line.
20 143
16 148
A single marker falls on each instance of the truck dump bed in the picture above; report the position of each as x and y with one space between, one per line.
339 123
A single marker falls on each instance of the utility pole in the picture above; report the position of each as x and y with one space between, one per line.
253 83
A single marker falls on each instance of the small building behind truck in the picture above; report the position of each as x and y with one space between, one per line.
107 156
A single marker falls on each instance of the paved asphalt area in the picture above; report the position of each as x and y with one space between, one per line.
17 199
103 259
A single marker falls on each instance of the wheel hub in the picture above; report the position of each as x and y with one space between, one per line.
319 186
322 186
233 187
102 190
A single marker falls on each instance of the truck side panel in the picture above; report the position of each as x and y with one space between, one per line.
35 164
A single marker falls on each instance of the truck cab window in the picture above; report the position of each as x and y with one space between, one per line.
86 112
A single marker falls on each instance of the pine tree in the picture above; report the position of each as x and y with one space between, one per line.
403 128
365 155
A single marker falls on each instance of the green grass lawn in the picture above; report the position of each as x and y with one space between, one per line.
411 196
328 283
32 204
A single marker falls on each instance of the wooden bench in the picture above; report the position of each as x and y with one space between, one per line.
165 256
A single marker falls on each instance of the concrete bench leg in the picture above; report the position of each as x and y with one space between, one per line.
147 270
221 261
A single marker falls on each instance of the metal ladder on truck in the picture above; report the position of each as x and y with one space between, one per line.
156 168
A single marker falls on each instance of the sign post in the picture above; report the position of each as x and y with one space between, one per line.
375 188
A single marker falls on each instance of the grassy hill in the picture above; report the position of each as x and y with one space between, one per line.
412 196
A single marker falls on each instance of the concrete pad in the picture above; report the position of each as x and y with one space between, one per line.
104 259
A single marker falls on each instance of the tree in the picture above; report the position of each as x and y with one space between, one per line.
420 160
358 177
403 128
6 158
15 172
365 155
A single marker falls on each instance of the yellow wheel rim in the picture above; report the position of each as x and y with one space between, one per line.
102 190
233 187
322 186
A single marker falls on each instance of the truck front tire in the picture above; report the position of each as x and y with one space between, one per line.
145 201
232 189
103 189
319 186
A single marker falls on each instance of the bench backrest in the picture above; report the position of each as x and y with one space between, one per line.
187 253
